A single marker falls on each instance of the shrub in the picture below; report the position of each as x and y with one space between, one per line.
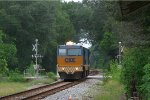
115 71
16 76
145 87
30 70
134 61
51 75
3 66
1 76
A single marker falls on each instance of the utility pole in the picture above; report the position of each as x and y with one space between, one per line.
119 56
36 56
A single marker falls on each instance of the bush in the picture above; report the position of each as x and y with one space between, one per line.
16 76
115 71
30 70
1 76
3 66
112 90
51 75
145 87
134 61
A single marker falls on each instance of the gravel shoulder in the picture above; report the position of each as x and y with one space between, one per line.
83 91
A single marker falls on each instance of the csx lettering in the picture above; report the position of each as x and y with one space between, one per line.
69 59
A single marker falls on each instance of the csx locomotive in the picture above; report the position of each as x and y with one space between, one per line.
72 61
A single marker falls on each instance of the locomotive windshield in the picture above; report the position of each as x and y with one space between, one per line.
69 52
74 52
62 52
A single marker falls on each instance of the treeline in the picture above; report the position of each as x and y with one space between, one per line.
21 22
53 23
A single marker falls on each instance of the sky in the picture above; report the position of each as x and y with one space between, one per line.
85 43
72 0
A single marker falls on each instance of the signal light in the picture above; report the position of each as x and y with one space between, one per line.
63 68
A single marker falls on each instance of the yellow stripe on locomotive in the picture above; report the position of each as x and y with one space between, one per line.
72 61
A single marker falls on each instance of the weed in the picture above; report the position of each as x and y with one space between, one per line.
51 75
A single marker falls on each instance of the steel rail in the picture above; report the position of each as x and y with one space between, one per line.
41 92
24 94
51 91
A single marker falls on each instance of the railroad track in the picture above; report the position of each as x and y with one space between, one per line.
41 92
94 72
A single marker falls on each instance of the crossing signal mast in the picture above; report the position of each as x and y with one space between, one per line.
36 56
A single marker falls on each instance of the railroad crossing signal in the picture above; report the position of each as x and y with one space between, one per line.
120 51
34 47
36 56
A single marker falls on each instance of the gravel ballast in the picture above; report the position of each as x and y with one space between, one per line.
83 91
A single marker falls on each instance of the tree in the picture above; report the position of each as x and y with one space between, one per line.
8 58
24 21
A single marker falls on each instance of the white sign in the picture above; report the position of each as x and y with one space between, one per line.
34 47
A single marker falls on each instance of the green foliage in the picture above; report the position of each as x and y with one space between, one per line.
111 90
108 45
7 55
133 63
51 75
24 21
107 42
1 36
115 71
30 70
145 87
3 66
16 76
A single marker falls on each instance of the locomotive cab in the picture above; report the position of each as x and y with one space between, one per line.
72 61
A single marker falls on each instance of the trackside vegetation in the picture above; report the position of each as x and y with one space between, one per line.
8 87
112 86
112 89
16 82
135 72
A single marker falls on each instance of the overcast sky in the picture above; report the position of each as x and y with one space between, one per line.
72 0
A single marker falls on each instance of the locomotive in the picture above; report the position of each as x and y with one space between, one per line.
72 61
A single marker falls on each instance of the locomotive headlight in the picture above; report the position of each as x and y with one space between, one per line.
63 68
77 68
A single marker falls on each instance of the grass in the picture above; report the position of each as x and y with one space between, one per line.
112 90
41 81
7 87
